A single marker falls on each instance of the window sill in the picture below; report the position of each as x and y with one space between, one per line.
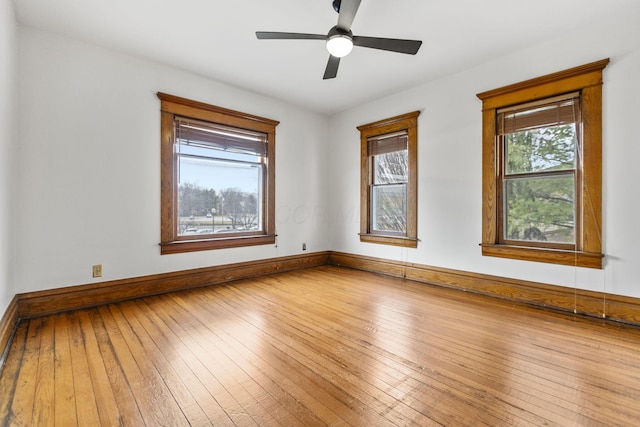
551 256
179 246
407 242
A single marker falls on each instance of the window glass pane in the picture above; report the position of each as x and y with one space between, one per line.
219 195
389 208
391 168
540 209
545 149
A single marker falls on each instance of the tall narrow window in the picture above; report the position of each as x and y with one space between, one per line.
217 177
389 183
542 168
540 146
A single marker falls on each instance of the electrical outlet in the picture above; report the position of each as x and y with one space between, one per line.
304 246
97 270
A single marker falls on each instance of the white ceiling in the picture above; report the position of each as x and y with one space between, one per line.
216 38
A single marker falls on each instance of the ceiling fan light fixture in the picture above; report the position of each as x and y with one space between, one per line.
339 45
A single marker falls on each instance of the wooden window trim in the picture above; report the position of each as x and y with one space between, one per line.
172 106
587 79
408 122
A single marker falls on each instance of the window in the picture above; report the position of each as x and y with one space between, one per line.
218 177
388 200
542 168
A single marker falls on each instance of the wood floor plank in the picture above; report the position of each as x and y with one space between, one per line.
347 367
341 382
83 382
99 343
11 370
393 367
44 414
181 359
241 386
247 348
64 389
96 370
158 367
559 417
200 360
154 400
324 346
23 395
301 413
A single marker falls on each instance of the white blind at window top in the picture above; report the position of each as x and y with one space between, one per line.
545 113
220 137
388 143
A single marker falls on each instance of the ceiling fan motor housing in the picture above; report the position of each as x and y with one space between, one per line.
337 32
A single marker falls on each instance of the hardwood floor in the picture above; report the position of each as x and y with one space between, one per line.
321 346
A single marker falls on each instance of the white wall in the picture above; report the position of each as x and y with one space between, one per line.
89 187
449 189
8 152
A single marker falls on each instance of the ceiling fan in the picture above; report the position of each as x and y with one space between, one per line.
340 40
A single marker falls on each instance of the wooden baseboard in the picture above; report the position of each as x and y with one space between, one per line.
8 325
594 304
40 303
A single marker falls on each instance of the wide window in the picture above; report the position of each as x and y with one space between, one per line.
542 168
388 186
217 177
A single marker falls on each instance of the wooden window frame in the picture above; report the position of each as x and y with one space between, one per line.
586 79
405 122
172 107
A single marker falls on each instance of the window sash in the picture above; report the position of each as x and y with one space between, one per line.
540 160
392 174
240 215
396 220
541 225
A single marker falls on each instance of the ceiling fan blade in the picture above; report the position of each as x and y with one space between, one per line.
332 68
270 35
348 9
410 47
